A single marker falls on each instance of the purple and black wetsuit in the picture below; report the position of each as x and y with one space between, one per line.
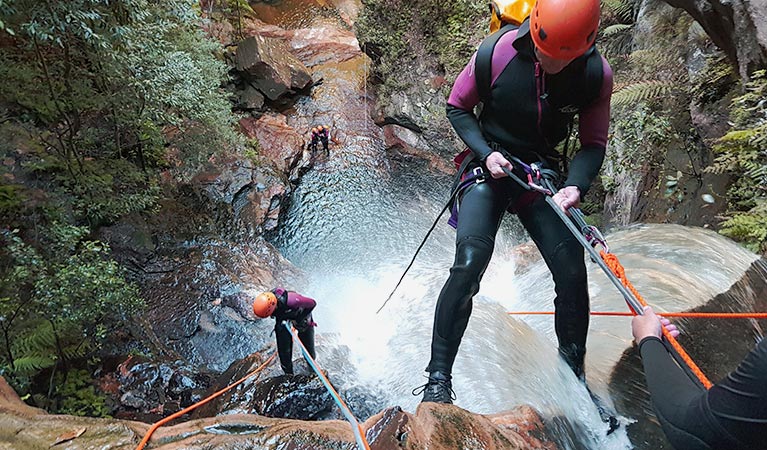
294 307
527 115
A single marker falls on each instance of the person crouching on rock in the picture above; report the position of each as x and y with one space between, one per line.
291 306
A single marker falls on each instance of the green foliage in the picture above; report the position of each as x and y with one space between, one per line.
102 80
11 198
78 396
395 31
58 300
742 152
716 80
748 227
641 91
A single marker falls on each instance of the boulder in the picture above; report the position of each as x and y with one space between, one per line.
278 142
270 67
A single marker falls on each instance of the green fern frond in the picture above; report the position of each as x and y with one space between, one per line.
623 9
618 28
38 342
32 364
76 351
641 91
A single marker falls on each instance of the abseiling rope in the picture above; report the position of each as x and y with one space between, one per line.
178 414
696 315
359 435
617 269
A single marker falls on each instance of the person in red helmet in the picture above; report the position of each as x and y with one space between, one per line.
291 306
532 82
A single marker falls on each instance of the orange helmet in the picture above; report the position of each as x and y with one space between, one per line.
564 29
264 304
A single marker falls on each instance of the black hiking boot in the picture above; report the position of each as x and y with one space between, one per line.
439 389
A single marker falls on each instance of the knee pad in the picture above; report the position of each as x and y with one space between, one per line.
472 256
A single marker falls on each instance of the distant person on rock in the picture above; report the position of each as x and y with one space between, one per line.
315 140
288 306
324 135
732 415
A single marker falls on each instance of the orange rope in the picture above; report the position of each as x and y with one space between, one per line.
617 269
697 315
200 403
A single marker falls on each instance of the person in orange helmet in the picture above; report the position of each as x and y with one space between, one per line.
291 306
532 81
324 136
315 140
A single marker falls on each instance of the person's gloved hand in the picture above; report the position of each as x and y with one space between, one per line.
495 162
568 197
650 324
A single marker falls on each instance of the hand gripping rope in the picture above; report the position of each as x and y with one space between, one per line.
589 237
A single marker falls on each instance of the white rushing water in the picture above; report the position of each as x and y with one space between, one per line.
353 233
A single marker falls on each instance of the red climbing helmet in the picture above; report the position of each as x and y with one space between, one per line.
564 29
264 304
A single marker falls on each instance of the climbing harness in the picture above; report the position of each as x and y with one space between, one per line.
359 435
476 176
589 237
687 315
178 414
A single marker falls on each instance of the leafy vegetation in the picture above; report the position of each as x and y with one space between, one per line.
397 31
57 300
742 152
98 97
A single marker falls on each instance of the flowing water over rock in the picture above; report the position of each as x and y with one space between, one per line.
355 250
355 221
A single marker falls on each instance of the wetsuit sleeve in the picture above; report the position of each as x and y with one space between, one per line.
677 400
593 123
460 112
296 301
739 401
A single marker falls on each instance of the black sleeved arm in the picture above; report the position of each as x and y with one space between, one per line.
731 415
467 126
585 167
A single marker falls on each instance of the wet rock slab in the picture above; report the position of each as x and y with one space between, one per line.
433 426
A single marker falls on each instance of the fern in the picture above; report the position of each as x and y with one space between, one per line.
618 28
641 91
742 152
27 365
39 342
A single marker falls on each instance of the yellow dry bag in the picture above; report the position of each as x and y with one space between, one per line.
509 11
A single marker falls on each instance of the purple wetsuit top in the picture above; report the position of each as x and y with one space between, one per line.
593 122
295 300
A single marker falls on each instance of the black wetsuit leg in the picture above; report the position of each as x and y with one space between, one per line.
306 334
479 216
732 415
564 257
284 347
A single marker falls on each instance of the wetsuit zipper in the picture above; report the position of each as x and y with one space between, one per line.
540 88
